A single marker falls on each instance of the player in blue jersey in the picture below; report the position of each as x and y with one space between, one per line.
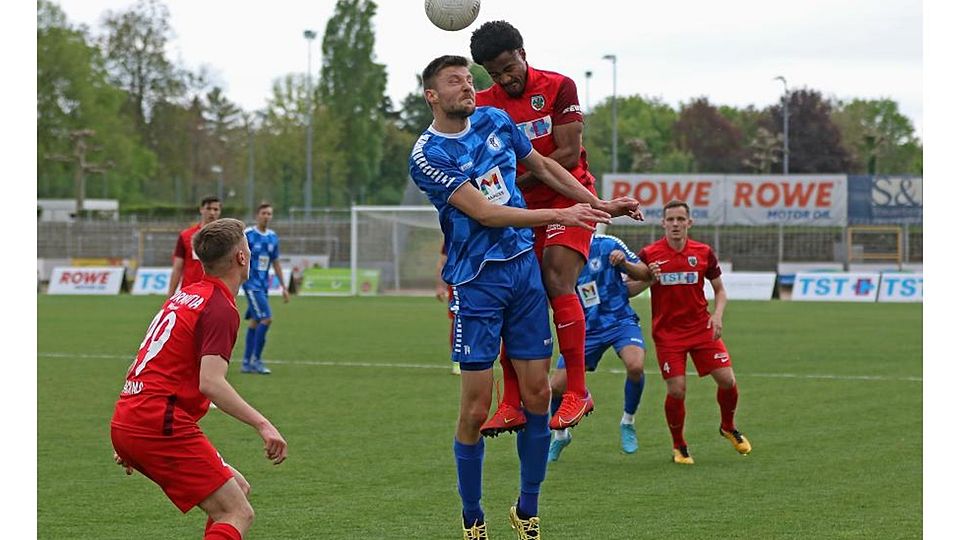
264 252
611 322
465 163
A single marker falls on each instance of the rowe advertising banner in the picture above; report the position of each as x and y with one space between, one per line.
156 280
704 194
884 200
86 280
818 200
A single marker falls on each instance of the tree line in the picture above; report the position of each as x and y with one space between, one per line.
136 126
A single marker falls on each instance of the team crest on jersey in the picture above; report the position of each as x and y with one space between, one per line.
692 261
538 102
493 142
595 265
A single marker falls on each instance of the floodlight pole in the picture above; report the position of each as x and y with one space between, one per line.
786 124
308 182
613 149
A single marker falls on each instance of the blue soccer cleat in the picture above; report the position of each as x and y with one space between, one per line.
628 438
557 445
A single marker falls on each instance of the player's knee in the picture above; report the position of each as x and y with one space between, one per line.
677 391
536 396
635 371
473 417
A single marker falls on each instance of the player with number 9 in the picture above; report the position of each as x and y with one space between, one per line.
179 370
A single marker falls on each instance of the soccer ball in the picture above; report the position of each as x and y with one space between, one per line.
452 15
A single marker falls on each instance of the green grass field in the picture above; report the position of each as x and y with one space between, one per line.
830 396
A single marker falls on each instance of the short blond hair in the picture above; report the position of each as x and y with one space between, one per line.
216 241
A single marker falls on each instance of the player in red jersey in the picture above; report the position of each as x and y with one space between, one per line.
186 265
683 324
544 106
180 368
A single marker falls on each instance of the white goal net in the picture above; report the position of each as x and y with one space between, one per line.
394 249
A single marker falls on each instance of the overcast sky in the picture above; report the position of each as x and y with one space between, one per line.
728 51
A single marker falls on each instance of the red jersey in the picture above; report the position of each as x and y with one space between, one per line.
161 394
192 268
680 308
549 99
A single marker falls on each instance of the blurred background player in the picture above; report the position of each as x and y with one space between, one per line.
180 369
544 106
443 294
611 322
264 252
465 163
186 265
683 324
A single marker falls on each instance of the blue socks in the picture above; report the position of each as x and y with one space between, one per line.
469 458
631 394
532 446
261 340
249 345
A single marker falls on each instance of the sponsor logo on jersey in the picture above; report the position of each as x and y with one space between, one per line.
493 187
493 142
572 109
537 101
722 356
692 261
534 129
466 166
554 230
679 278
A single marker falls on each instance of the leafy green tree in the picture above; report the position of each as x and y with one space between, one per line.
352 88
73 94
879 139
639 119
135 49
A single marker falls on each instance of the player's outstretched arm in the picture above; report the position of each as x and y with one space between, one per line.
214 385
470 201
635 287
560 180
638 271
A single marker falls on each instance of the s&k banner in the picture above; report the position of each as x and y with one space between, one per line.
881 200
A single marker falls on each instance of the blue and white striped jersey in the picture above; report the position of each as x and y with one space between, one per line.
485 155
601 288
264 249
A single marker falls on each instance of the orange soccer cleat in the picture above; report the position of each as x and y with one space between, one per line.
506 418
572 410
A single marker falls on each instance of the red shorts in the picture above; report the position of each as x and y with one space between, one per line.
188 469
575 238
707 356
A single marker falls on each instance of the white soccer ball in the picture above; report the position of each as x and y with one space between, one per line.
452 15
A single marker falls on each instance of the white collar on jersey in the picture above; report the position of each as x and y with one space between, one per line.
433 130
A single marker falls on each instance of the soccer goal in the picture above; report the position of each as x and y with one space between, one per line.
394 249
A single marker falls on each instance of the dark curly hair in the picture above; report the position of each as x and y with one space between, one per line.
492 39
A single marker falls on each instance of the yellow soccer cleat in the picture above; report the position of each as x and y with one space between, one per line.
478 531
737 440
682 456
527 529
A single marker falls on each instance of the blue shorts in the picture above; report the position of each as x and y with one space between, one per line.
505 301
617 337
257 307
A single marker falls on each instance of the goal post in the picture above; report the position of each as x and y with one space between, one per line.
394 249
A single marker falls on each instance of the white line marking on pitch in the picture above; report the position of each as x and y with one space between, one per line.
446 366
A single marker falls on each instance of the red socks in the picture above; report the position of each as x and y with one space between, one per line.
571 335
676 412
511 384
727 398
221 531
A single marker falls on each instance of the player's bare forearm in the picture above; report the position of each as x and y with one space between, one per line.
214 385
637 271
635 287
527 180
283 284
